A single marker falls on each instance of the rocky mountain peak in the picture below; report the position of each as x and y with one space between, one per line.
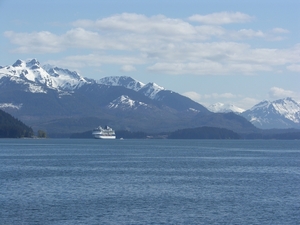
151 89
19 63
37 78
33 63
225 108
281 113
123 81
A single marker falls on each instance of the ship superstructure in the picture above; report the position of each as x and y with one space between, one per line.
104 133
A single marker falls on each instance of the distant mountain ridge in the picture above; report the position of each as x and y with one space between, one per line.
224 108
281 113
61 101
123 81
38 79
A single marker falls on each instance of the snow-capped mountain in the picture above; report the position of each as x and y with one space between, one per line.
123 81
282 113
151 90
155 92
224 108
125 103
65 79
61 101
38 79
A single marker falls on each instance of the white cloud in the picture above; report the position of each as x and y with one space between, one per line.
247 102
226 98
294 68
222 18
197 97
128 68
193 95
200 68
219 96
249 33
81 38
96 60
164 45
37 42
141 24
277 93
280 30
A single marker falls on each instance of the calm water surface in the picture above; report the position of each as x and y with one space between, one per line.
71 181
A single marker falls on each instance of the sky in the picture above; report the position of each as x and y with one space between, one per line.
230 51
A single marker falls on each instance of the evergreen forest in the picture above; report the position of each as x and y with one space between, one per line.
11 127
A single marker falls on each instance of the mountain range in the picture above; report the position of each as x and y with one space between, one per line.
61 102
281 113
278 114
224 108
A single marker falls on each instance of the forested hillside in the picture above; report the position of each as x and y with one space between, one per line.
204 133
11 127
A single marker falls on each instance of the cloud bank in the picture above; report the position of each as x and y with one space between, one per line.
197 45
277 93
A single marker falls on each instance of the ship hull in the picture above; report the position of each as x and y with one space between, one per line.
104 133
104 137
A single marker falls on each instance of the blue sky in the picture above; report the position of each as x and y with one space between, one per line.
233 51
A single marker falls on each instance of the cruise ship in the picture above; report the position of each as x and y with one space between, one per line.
104 133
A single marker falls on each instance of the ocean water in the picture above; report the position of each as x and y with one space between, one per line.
74 181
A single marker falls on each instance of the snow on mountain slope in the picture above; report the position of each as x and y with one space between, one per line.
151 89
10 105
282 113
32 77
224 108
289 108
124 102
65 78
28 72
38 78
123 81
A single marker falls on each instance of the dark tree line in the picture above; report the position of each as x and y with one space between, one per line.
131 135
204 133
11 127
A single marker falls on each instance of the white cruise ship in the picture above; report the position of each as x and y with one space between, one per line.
104 133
